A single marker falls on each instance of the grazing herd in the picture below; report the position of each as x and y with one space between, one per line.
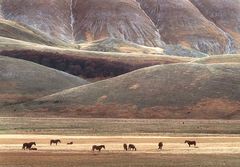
129 147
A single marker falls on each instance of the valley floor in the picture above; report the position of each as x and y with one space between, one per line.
218 148
116 160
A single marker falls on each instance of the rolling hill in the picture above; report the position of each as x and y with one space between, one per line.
144 58
233 58
88 64
22 81
165 91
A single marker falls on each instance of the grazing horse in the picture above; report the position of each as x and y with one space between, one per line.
132 147
125 147
191 143
95 147
28 145
160 145
70 143
55 141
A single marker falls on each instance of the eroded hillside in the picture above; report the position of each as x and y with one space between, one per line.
208 26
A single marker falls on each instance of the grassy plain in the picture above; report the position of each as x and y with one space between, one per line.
218 142
125 127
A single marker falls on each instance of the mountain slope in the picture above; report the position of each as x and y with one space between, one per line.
208 26
180 22
21 81
50 16
76 20
226 15
121 19
22 32
166 91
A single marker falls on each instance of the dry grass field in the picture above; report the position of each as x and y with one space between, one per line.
218 142
118 127
115 160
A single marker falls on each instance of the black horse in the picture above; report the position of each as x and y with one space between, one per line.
190 143
28 145
55 141
132 147
125 147
70 143
160 145
99 148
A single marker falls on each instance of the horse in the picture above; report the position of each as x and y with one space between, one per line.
55 141
28 145
132 147
95 147
70 143
160 145
33 149
125 147
191 143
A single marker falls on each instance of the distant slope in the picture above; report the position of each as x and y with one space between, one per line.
233 58
77 20
21 81
49 16
118 45
88 64
226 15
208 26
166 91
122 19
122 46
11 29
180 22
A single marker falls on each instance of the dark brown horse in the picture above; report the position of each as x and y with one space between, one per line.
70 143
190 143
99 148
160 145
132 147
28 145
125 147
55 141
